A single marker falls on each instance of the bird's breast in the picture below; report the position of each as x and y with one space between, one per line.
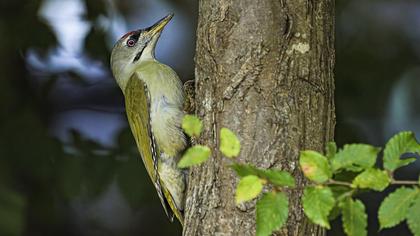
166 115
166 120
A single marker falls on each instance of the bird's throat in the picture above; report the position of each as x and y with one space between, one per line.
138 55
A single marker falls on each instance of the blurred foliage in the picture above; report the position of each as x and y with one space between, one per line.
41 178
12 207
95 45
94 9
372 51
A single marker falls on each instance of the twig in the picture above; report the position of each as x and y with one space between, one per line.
337 182
404 182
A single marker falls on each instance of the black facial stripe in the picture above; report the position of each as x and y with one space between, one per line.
138 55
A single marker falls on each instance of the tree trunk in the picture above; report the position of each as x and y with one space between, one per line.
264 69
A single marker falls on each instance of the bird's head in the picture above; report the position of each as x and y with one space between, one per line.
134 47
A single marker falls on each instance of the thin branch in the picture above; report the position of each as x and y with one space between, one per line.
337 182
404 182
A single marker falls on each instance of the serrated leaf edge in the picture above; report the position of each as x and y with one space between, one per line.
410 221
400 203
346 229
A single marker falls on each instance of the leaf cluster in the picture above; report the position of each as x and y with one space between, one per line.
335 179
356 162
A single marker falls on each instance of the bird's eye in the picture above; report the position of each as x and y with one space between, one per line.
131 42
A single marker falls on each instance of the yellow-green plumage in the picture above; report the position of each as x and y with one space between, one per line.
155 123
154 101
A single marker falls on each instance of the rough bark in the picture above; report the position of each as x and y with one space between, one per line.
264 69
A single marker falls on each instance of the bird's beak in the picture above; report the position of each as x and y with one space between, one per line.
158 26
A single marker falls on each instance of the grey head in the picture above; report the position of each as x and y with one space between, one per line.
134 47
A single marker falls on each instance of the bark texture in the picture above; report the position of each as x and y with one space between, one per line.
264 69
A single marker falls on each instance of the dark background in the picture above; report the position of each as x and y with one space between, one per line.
68 163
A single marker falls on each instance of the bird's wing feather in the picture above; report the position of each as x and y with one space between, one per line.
137 102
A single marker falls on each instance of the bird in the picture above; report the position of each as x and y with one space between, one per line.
154 98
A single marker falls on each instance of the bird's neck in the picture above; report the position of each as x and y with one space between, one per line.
129 70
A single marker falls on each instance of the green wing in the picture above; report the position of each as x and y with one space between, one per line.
137 105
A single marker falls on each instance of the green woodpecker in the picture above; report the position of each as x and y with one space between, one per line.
153 100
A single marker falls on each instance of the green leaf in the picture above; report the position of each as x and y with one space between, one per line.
244 169
331 149
413 217
274 176
317 204
248 188
192 125
229 143
278 177
315 166
195 155
403 142
373 179
272 211
355 157
354 217
394 208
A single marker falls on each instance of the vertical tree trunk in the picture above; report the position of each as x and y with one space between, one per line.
264 69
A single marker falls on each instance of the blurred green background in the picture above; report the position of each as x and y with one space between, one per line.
68 163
